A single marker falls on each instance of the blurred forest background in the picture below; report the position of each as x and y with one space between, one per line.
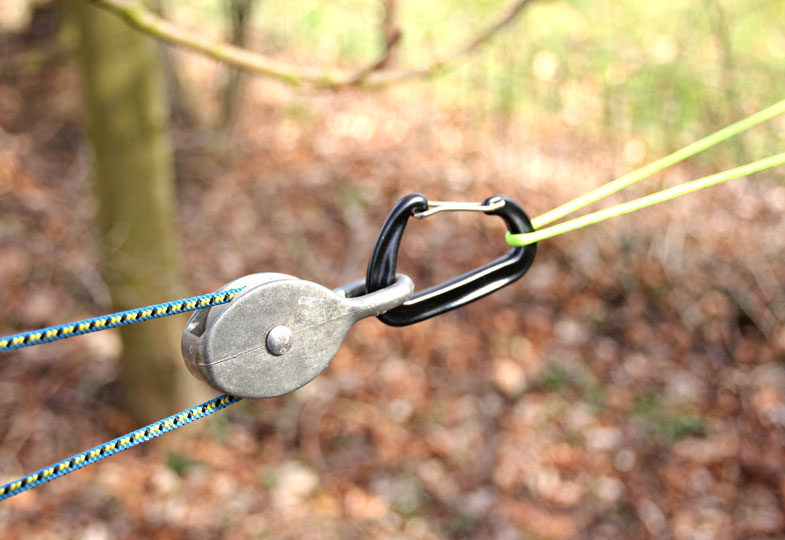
631 385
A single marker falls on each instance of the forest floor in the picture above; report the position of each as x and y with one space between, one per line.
631 385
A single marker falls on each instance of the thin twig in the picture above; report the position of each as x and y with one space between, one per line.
135 14
391 37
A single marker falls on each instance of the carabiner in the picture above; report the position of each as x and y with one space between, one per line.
456 292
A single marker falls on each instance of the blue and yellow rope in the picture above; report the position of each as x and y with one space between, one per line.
119 444
122 318
54 333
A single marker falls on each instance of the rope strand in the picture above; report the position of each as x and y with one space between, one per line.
122 318
129 440
644 202
656 166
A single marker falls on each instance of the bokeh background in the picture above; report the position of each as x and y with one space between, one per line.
631 385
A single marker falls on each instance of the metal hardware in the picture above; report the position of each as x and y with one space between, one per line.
434 207
458 291
279 332
279 340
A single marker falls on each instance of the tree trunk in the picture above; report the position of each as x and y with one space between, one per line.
239 13
127 119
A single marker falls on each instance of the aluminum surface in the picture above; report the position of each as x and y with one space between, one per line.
227 346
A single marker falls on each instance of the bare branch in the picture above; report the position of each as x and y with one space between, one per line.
135 14
483 37
391 37
391 33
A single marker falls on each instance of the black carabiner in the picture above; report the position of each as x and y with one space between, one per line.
458 291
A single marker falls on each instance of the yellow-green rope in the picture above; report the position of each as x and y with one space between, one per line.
656 166
643 202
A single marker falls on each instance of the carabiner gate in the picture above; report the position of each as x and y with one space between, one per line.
434 207
458 291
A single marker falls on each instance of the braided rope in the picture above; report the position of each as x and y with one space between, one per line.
673 192
122 318
644 172
119 444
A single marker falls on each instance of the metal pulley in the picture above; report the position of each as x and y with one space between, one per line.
279 332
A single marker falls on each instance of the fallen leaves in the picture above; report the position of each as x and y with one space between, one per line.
629 386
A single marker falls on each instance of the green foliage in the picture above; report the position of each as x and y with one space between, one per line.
669 423
268 478
458 525
220 428
180 464
408 496
663 72
557 379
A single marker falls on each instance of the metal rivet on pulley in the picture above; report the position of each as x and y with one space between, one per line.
279 340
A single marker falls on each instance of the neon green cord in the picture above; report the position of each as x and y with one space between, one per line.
656 166
643 202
